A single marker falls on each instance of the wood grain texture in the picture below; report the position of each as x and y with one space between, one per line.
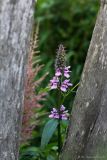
15 26
87 135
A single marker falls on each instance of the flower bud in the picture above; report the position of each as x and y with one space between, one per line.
60 58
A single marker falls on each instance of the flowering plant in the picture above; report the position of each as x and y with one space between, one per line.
60 82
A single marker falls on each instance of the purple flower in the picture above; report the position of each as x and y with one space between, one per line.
54 114
66 72
62 113
65 85
54 83
64 116
58 72
62 108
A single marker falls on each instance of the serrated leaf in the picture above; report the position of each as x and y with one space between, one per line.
48 132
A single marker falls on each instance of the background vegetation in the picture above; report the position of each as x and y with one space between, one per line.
71 23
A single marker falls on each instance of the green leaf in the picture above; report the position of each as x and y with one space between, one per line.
43 90
33 151
50 157
65 122
48 131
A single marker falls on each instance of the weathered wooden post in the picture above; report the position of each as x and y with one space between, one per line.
87 135
15 26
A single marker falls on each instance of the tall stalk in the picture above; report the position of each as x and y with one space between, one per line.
59 123
59 136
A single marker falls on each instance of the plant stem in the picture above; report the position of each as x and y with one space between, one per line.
59 136
64 96
72 89
59 124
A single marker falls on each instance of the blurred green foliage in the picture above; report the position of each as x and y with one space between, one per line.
71 23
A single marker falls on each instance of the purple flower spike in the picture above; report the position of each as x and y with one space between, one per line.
63 114
67 71
58 72
54 83
65 85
